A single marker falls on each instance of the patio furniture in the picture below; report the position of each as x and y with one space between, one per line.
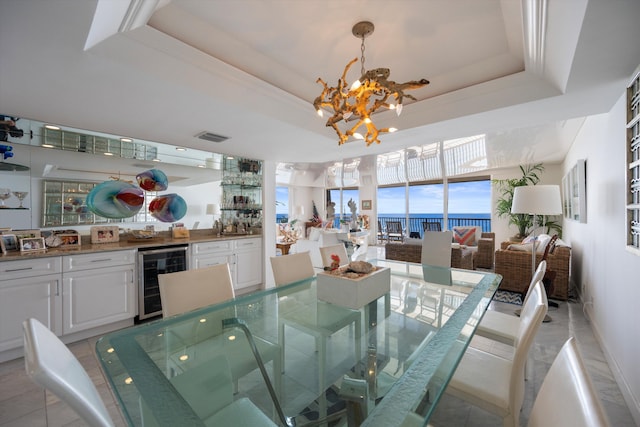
431 225
394 231
382 234
515 268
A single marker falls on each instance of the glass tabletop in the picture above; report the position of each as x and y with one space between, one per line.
383 362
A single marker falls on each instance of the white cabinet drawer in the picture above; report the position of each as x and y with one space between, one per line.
98 260
248 244
30 267
214 246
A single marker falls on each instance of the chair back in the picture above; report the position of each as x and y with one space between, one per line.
188 290
292 268
531 318
394 230
537 276
431 226
436 248
579 405
327 251
49 363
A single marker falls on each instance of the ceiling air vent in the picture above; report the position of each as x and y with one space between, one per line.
209 136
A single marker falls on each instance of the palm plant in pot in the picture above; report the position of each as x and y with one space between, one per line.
506 187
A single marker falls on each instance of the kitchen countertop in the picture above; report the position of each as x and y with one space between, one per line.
128 242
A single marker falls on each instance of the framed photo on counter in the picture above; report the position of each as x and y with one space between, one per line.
9 243
32 244
69 240
105 234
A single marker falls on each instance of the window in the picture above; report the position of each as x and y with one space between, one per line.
282 204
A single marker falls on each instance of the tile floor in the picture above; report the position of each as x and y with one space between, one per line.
24 404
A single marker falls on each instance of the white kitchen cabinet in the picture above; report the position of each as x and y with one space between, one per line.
243 255
29 288
98 289
248 263
207 254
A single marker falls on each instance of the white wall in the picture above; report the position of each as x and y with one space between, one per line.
607 275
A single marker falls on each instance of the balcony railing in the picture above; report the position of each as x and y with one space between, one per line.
416 224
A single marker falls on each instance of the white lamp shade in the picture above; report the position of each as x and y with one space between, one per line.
213 209
537 200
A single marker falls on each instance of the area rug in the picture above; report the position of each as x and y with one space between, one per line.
508 297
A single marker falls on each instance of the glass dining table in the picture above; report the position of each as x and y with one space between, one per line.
386 363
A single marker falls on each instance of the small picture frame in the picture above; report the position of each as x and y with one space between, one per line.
9 243
366 205
32 244
105 234
26 234
69 240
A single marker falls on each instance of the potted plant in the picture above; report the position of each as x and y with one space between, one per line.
506 187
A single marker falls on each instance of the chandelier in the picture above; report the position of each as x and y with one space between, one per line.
364 97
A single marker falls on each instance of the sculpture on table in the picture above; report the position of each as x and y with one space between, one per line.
331 211
354 217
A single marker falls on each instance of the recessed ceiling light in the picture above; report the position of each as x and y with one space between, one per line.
181 149
200 166
156 160
47 145
108 154
126 140
52 127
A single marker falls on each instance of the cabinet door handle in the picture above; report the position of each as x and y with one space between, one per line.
57 288
18 269
101 260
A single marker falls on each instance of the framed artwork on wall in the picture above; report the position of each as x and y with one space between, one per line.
366 205
574 192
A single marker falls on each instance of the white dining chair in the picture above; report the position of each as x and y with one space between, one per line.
319 319
496 384
339 249
207 388
436 248
567 397
189 290
503 327
292 268
49 363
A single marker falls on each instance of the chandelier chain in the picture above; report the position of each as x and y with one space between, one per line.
362 58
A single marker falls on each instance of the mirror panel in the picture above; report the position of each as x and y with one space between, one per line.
70 154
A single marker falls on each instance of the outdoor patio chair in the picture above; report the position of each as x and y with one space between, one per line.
394 231
431 226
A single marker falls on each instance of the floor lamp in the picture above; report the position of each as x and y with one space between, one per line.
536 200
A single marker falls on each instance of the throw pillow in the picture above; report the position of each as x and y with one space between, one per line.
465 235
542 241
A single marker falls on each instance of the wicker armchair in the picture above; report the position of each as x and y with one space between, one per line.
483 257
515 268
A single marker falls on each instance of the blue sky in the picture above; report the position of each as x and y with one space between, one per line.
464 197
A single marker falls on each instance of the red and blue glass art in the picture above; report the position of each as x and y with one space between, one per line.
168 207
120 199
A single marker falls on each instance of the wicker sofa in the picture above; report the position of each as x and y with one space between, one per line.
515 268
413 253
468 258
